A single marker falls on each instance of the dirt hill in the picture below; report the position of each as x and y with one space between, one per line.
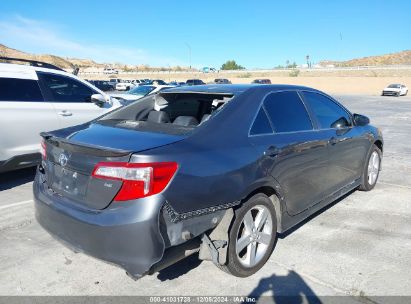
56 60
69 63
400 58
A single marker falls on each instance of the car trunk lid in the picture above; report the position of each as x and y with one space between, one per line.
71 159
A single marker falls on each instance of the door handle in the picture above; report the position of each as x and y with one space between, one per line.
333 140
271 152
65 113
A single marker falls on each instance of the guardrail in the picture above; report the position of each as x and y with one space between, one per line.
324 69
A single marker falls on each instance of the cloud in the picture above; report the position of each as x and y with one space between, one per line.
45 38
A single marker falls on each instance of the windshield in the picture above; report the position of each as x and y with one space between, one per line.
142 90
395 86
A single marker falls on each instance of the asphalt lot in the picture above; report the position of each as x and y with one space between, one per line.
359 246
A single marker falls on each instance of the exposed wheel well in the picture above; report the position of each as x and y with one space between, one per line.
275 199
269 191
378 143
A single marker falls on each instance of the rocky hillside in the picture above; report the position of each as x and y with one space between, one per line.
65 63
56 60
400 58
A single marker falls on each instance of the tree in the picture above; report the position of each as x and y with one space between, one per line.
231 65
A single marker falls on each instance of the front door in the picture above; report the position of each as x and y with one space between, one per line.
71 99
347 149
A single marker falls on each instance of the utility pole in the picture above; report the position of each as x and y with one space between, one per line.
189 53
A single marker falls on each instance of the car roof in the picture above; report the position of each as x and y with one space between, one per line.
26 71
234 89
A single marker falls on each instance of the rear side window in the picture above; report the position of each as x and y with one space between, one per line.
65 89
327 112
261 124
14 89
287 112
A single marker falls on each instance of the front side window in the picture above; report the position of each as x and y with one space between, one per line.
328 113
65 89
14 89
287 112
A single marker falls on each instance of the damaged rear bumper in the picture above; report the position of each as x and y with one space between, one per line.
128 236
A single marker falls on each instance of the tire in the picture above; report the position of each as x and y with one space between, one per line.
373 167
406 92
241 264
398 94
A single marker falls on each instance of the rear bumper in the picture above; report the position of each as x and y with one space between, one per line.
128 236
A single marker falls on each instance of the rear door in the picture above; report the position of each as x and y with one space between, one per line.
296 153
347 145
70 98
23 115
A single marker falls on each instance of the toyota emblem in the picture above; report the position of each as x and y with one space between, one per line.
63 159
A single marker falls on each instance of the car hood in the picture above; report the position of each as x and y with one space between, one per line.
392 89
126 97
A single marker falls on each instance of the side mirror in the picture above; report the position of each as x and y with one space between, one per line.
98 99
361 120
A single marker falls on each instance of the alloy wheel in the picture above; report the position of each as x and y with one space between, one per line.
254 235
373 168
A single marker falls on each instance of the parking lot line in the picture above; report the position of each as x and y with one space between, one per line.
16 204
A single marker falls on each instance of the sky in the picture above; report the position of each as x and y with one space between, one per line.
256 34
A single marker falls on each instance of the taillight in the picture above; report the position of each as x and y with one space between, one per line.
43 150
139 180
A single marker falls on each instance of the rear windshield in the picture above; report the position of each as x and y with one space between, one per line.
170 113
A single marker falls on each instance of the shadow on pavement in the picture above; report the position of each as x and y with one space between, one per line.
9 180
182 267
290 288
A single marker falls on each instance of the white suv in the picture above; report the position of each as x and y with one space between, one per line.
37 98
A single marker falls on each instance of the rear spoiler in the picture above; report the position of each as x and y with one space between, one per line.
81 147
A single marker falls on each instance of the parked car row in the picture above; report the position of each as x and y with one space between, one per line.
103 85
126 85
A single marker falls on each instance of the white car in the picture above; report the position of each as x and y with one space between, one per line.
395 90
110 71
38 98
125 85
139 92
